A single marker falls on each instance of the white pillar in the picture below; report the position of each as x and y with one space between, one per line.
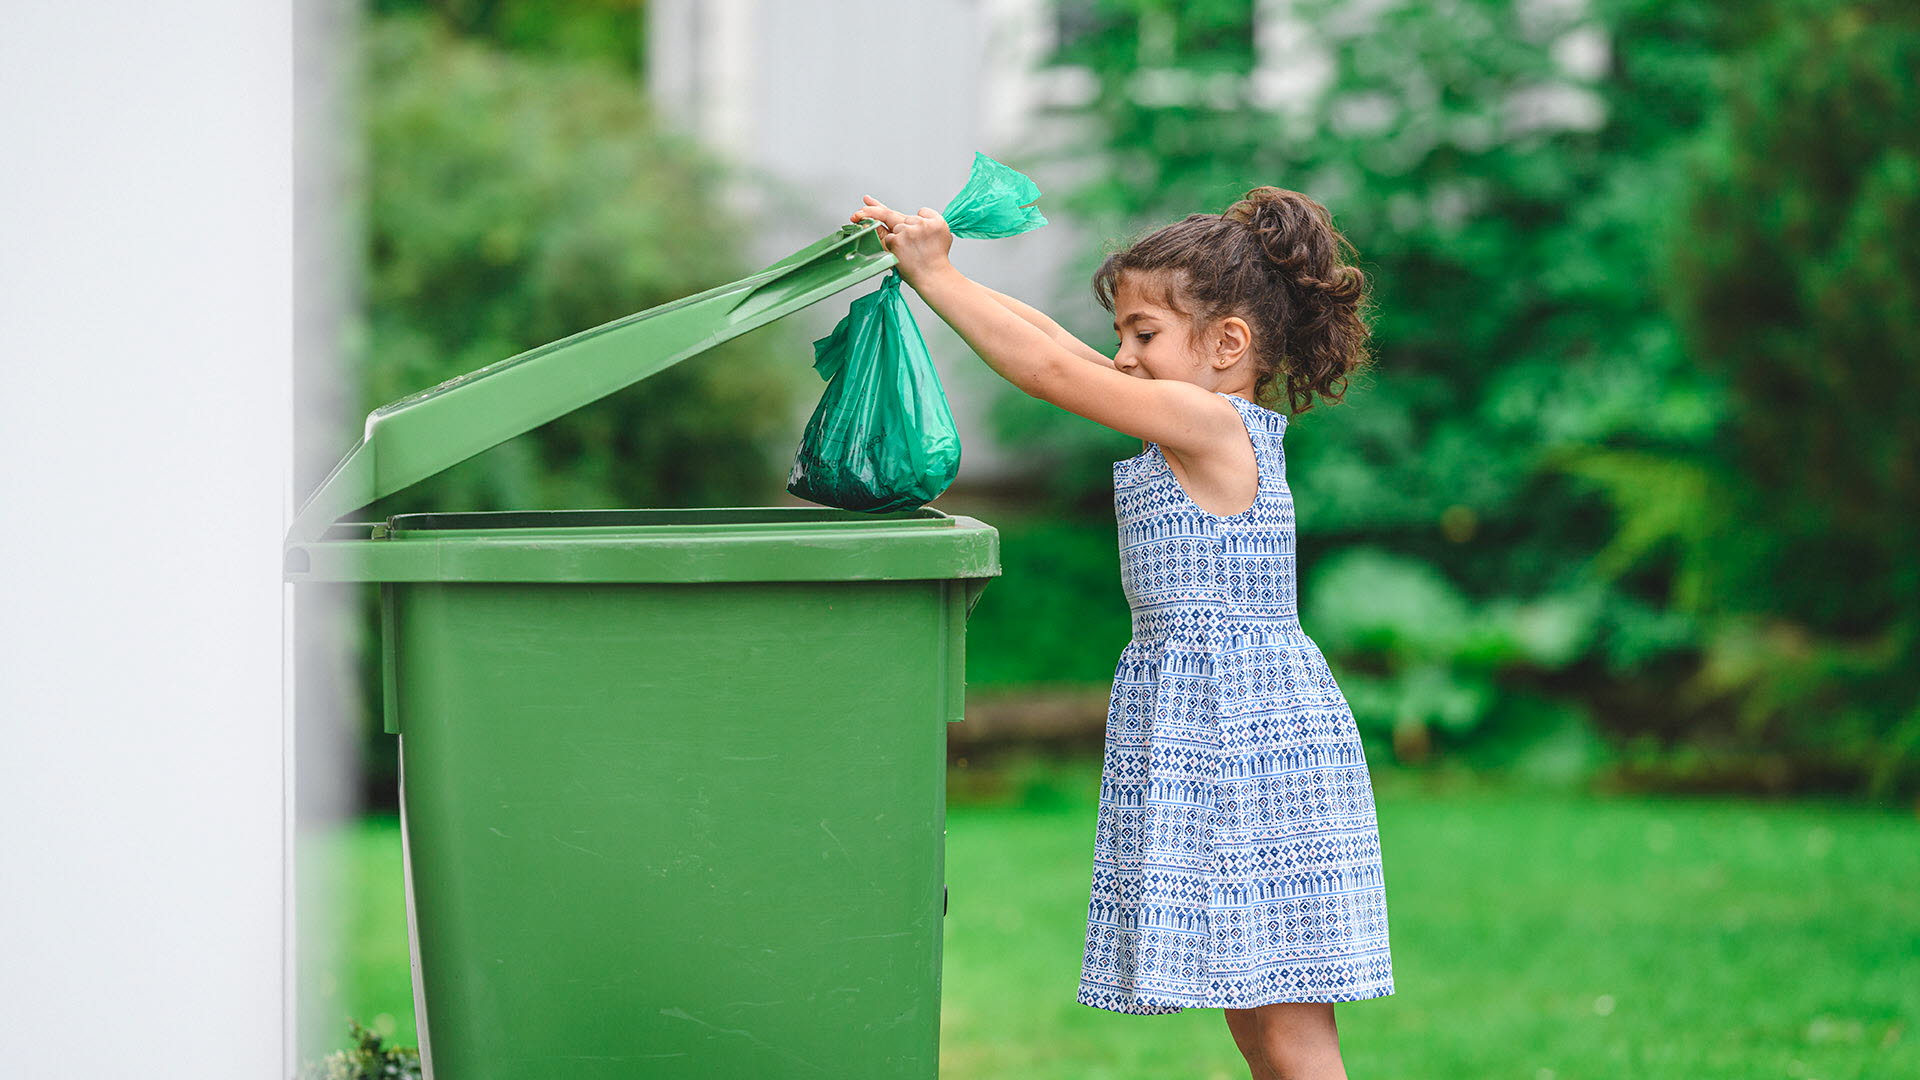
145 396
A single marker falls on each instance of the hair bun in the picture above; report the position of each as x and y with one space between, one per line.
1296 233
1292 228
1263 198
1288 273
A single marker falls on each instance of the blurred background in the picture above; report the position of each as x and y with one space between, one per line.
1614 551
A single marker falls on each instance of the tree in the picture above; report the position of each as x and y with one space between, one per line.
1799 282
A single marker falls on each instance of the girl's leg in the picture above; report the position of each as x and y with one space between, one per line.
1289 1040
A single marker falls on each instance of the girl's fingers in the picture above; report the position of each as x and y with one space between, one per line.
895 224
893 219
877 209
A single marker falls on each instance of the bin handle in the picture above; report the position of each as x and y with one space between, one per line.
975 586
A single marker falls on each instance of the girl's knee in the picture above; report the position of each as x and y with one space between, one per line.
1291 1040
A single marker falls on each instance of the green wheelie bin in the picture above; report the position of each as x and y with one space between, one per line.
672 781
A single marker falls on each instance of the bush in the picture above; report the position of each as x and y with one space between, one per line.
369 1059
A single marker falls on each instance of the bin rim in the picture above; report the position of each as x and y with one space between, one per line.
648 520
722 544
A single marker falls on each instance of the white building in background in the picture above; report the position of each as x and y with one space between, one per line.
820 102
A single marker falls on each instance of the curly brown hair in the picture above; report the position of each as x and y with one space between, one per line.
1275 259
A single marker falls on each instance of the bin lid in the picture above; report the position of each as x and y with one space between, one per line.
422 434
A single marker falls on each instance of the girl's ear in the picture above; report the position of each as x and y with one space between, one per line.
1232 339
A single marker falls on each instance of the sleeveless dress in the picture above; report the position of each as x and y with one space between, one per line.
1236 851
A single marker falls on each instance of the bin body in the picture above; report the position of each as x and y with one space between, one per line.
676 808
673 782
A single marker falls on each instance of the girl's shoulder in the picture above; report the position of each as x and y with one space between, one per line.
1254 411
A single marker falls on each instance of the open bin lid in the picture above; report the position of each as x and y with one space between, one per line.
422 434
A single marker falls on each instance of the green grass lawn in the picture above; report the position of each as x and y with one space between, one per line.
1535 935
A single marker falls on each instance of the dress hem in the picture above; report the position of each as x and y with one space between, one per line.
1152 1006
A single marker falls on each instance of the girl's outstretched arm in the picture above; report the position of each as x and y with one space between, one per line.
1016 349
1034 315
1180 416
1052 329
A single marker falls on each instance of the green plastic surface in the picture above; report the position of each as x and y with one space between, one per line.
733 544
673 781
677 831
882 437
991 205
413 438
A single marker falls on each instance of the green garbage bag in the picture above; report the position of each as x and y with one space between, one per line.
992 204
882 437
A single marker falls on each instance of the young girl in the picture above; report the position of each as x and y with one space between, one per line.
1236 852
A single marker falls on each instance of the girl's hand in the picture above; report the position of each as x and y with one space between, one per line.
920 242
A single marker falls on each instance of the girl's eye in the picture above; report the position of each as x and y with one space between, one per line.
1143 337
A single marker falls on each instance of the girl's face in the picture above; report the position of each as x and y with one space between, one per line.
1154 342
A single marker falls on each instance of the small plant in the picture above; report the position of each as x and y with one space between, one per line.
370 1059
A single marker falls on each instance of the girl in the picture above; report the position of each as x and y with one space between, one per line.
1236 852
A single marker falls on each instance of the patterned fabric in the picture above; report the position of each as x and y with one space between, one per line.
1236 853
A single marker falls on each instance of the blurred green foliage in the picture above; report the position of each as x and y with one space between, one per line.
605 31
1640 447
1056 613
1638 458
1799 283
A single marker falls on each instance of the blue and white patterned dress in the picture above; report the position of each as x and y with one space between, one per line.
1236 852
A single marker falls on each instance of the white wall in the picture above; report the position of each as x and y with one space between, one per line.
145 331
